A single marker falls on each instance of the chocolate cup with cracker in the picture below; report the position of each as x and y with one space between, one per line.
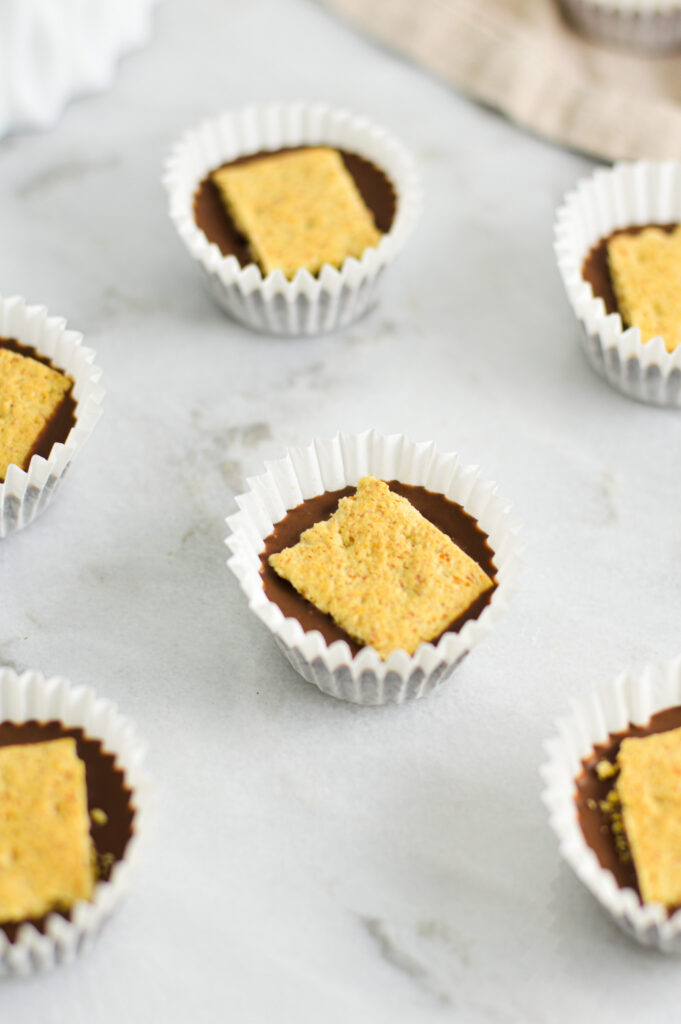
32 702
650 26
362 675
624 706
304 302
628 196
28 489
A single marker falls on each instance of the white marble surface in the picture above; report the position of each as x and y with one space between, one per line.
314 861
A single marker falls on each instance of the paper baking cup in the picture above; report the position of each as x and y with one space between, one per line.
629 699
52 52
31 696
308 304
648 25
25 493
628 194
327 466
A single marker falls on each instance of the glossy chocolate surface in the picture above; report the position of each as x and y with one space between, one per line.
446 515
595 268
218 227
58 426
106 790
594 822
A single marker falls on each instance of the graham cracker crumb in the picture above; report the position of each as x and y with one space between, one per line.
30 394
104 864
387 576
646 275
298 209
649 786
606 769
45 845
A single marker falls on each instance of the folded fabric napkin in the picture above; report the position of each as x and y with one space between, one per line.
522 58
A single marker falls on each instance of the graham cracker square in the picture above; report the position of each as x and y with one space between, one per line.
387 576
30 394
646 276
45 847
298 209
649 788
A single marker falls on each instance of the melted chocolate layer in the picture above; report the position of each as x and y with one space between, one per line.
217 225
596 271
591 790
446 515
58 426
106 789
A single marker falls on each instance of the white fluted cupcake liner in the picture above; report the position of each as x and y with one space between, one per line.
629 699
26 493
307 304
652 26
53 52
629 194
327 465
32 696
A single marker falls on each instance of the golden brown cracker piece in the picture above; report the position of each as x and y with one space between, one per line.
298 209
646 275
46 857
30 394
649 788
387 576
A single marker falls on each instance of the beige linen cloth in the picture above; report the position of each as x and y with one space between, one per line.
521 57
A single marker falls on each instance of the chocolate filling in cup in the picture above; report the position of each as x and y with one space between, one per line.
109 801
213 218
58 426
447 516
598 817
596 271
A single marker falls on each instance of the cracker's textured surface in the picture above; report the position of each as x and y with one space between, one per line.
45 846
30 394
646 277
649 787
387 576
298 209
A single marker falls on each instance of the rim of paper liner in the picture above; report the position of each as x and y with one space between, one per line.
48 335
232 134
629 194
634 7
32 696
610 709
328 465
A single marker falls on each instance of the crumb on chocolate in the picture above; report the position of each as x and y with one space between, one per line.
105 862
45 845
387 576
606 769
645 269
99 817
611 802
30 394
298 210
